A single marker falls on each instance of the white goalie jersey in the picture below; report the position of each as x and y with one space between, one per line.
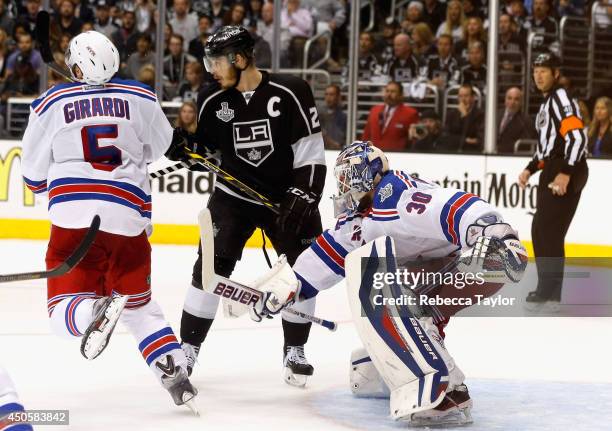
88 147
424 219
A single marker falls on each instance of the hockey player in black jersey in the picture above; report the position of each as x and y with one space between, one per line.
266 128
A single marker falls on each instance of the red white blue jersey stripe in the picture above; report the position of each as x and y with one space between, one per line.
330 252
75 89
406 179
36 186
118 192
158 344
383 215
453 210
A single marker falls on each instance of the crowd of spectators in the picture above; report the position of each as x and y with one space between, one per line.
434 42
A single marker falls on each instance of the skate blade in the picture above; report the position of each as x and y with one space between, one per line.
452 419
297 380
544 308
191 405
95 342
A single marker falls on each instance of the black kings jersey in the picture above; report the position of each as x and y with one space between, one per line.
265 136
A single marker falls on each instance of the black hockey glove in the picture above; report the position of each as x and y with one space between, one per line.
182 141
297 206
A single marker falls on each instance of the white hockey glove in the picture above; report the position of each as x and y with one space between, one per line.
279 286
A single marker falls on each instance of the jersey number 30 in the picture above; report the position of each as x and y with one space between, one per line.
102 158
419 200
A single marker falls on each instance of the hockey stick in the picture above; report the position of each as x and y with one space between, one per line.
65 266
42 38
229 289
177 167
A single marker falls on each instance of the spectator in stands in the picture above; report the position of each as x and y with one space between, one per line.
434 13
569 8
327 14
473 31
216 9
6 19
126 36
422 42
25 52
145 9
454 21
542 23
518 11
235 15
4 52
428 135
262 50
66 20
265 28
600 128
509 41
196 45
465 125
194 80
167 34
22 82
385 44
87 26
103 23
513 124
473 8
146 75
603 14
388 124
299 23
369 66
141 57
28 19
414 15
333 119
403 67
442 68
183 22
475 72
64 42
187 117
176 62
254 11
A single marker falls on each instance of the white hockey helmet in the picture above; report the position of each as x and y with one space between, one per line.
359 168
96 56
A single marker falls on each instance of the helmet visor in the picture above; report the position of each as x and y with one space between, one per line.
217 64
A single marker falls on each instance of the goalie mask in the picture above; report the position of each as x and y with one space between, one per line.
95 55
359 168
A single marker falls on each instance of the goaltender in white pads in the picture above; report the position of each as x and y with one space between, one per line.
415 220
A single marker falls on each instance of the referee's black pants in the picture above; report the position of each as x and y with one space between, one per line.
550 224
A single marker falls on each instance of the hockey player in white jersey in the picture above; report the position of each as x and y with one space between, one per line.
87 145
388 213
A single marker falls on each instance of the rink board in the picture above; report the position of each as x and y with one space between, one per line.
177 198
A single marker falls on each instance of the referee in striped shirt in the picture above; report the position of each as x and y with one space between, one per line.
561 156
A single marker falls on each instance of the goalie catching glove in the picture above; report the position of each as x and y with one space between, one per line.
279 288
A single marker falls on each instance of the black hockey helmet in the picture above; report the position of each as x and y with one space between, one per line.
547 59
230 40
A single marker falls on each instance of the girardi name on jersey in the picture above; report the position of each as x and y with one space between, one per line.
96 107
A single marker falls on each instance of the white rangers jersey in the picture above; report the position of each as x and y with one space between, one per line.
424 219
88 147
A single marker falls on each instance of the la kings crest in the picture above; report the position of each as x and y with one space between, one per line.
253 141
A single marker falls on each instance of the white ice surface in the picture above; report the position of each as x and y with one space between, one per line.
523 374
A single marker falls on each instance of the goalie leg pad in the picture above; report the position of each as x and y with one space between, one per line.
404 355
365 379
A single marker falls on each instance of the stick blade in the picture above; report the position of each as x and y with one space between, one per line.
208 246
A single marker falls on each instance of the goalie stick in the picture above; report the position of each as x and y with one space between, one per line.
67 265
229 289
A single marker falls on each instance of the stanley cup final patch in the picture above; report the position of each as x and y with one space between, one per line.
253 141
225 113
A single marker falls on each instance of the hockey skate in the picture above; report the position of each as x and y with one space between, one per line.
106 312
297 368
454 410
191 352
176 381
534 303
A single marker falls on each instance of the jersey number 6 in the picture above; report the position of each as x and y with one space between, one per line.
419 201
102 158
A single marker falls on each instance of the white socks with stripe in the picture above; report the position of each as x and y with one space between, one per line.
9 403
154 336
71 316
